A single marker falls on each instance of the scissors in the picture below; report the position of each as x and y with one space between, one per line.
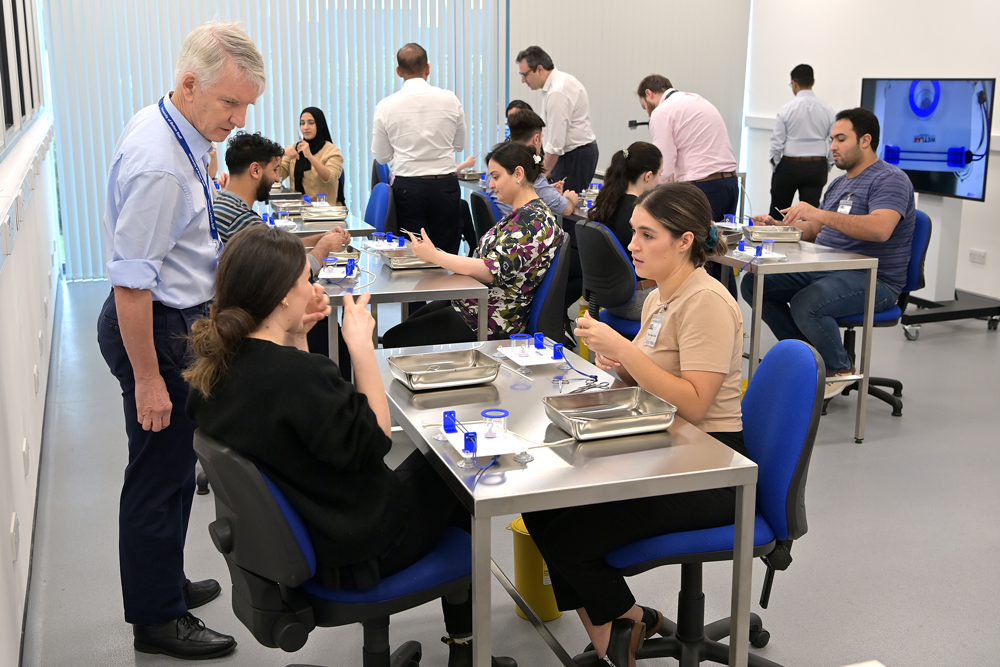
591 384
560 380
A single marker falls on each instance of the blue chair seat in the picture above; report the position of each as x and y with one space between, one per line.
887 317
629 328
449 561
707 540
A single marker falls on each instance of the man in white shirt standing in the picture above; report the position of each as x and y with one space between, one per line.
570 144
420 128
800 148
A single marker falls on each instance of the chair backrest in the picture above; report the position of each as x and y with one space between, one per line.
256 528
377 211
918 254
781 412
380 173
483 214
608 274
547 304
341 197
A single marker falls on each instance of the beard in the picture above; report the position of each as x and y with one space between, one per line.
264 190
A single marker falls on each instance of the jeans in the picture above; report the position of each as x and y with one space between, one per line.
805 306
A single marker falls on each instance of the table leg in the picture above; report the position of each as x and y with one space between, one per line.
755 322
375 330
484 308
865 361
742 575
334 338
481 608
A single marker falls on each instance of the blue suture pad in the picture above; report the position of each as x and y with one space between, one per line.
956 157
891 154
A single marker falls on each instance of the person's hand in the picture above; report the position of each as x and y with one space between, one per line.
606 363
573 198
800 211
359 325
303 147
292 152
764 219
329 242
317 308
467 164
599 337
153 404
558 185
345 236
422 246
223 180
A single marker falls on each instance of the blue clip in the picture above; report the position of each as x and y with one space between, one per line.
759 252
388 237
539 341
402 241
470 442
741 246
307 199
449 422
350 266
749 221
557 352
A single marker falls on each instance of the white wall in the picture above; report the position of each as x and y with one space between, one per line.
611 46
848 40
28 278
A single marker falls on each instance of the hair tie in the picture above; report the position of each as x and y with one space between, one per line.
713 238
625 153
536 158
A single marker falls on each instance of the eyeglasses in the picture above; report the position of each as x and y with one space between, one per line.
524 75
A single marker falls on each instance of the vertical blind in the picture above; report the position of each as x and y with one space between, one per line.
111 58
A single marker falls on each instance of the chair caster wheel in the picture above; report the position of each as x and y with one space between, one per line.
759 637
912 331
993 322
202 481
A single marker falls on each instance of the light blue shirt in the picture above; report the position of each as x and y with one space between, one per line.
548 194
802 128
156 216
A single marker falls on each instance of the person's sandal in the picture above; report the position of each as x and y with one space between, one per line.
627 637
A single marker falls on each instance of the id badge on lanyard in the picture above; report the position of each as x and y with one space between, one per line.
844 208
653 331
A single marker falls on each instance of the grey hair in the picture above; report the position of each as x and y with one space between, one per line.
209 46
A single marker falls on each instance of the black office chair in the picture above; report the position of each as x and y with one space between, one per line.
380 173
341 199
890 318
608 275
272 564
483 214
547 312
469 229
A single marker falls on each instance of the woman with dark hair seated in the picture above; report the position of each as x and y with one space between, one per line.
689 352
512 259
319 438
633 171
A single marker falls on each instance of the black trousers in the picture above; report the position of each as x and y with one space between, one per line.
159 479
433 324
806 177
577 167
724 196
575 540
434 204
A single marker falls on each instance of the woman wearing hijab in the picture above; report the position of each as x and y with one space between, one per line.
314 163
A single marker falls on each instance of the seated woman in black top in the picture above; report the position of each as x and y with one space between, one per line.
319 438
632 171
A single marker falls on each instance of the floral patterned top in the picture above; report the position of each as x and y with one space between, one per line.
517 251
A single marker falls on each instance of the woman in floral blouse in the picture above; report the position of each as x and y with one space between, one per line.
512 259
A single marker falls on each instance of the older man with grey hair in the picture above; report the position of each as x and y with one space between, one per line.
163 248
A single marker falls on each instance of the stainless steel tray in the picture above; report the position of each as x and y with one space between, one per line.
405 259
470 175
609 414
776 233
440 370
316 213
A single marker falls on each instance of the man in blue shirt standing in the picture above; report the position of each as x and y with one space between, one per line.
163 249
870 211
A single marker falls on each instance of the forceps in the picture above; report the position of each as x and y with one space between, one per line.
591 385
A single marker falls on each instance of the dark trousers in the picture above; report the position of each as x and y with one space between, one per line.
574 541
806 177
433 324
159 478
724 196
434 204
577 167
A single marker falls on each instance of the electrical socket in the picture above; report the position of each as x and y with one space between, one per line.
977 256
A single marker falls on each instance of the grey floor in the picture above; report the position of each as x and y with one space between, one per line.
900 563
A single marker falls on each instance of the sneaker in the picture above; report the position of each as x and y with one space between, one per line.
835 383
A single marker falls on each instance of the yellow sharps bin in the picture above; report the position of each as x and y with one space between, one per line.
531 575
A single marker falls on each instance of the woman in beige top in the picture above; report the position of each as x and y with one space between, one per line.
314 163
692 332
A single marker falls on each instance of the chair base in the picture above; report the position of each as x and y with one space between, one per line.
407 655
894 399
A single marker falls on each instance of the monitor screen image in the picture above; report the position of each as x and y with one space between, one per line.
935 130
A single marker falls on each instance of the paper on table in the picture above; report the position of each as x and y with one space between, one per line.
333 273
747 256
535 356
486 447
382 245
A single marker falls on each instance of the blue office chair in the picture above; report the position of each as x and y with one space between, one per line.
547 312
381 210
380 173
780 416
608 275
272 564
484 213
890 317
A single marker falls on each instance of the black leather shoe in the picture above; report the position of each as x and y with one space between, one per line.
627 637
197 593
186 638
460 655
653 620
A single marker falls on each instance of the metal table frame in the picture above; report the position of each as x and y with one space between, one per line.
802 257
685 459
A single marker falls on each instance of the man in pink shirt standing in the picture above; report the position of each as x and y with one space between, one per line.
693 139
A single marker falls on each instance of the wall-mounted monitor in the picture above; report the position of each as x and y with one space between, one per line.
935 130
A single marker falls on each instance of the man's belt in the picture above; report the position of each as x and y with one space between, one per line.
717 175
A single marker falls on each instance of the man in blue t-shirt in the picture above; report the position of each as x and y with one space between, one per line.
869 211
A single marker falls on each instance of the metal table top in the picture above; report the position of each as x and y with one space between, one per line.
573 473
801 256
355 225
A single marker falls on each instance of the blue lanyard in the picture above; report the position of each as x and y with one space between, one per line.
197 171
